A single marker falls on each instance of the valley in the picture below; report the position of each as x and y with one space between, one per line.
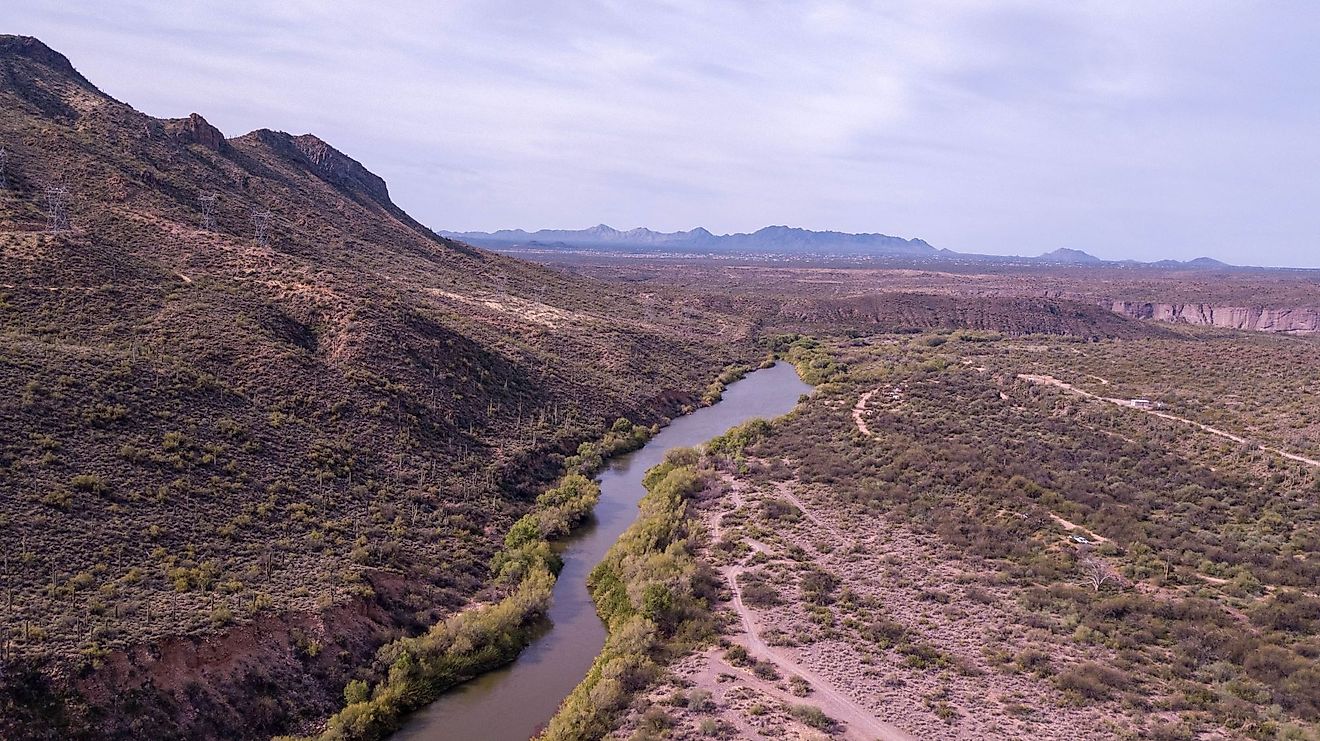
972 554
277 460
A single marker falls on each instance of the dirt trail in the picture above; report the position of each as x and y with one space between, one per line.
1052 381
860 409
1070 526
859 722
783 489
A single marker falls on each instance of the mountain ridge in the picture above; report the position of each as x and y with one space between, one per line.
774 238
286 413
784 240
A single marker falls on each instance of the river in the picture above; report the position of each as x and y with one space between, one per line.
512 703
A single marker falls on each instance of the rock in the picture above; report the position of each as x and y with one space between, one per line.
195 130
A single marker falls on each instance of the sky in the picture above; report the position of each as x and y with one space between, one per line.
1143 130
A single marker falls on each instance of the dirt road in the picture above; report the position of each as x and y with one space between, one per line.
1052 381
860 723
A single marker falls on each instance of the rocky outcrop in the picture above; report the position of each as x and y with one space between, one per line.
195 130
336 167
1304 319
329 164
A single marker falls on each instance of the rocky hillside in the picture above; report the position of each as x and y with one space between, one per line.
256 419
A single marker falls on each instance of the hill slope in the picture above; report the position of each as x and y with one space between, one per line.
232 465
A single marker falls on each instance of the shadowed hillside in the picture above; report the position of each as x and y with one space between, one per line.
233 463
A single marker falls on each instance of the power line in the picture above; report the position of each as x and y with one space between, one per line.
208 201
499 283
261 226
57 208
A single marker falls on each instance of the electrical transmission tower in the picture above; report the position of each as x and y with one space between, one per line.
57 208
261 226
208 210
4 169
648 306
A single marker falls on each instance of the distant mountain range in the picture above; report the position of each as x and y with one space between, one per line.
777 241
1066 256
770 240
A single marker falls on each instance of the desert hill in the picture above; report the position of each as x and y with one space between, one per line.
257 419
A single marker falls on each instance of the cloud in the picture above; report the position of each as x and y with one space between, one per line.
1128 129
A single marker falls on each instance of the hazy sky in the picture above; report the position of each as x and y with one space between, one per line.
1128 129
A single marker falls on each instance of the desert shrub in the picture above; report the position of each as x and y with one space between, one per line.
922 656
979 595
1035 661
756 592
812 716
818 586
737 655
656 720
1288 610
883 632
698 701
766 670
1091 680
90 483
935 595
221 616
780 510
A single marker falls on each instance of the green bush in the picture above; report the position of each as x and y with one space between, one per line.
422 668
812 716
652 593
418 670
736 440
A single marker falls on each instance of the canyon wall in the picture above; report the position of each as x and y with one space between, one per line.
1259 318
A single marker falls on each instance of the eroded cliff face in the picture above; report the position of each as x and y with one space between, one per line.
1013 315
1303 319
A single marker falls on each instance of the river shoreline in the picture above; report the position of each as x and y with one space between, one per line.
514 701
